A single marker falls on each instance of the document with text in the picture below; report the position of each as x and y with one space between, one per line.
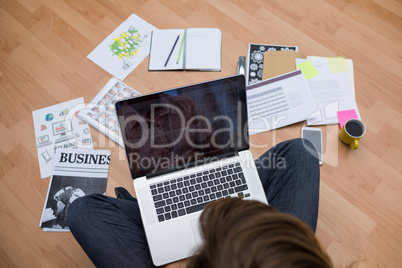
332 89
278 102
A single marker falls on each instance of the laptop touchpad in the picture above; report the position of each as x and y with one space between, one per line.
195 224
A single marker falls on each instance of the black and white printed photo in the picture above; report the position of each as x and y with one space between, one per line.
63 191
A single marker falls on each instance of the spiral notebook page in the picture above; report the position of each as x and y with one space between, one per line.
196 49
203 49
162 43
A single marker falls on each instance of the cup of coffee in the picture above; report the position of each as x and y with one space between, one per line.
352 131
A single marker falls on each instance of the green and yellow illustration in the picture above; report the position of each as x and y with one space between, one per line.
126 46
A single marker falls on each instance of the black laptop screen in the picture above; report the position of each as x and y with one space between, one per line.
184 126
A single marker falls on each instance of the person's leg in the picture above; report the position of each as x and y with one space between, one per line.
290 176
110 231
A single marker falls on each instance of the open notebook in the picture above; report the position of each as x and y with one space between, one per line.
186 49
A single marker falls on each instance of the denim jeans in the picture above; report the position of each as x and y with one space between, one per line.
111 233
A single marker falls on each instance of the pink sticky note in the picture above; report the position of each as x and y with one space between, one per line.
344 116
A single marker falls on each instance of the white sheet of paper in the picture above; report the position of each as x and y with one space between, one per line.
58 126
332 92
298 60
125 48
278 102
203 49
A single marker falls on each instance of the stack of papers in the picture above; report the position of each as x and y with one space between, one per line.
331 83
321 91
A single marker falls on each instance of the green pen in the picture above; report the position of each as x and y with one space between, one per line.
181 47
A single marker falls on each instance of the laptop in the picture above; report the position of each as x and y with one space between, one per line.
187 147
43 141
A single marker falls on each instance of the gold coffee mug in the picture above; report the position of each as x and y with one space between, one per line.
352 131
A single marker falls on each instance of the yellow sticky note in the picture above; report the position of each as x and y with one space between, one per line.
308 69
337 64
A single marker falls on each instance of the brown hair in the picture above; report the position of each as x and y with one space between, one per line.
245 234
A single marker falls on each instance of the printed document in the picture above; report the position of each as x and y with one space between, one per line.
332 89
278 102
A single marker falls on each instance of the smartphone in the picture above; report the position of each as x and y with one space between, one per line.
314 135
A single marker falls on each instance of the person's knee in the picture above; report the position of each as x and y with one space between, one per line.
81 208
77 209
307 161
305 150
298 143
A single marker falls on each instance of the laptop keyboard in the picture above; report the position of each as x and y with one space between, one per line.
185 195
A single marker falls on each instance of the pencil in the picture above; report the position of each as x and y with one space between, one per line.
181 47
171 51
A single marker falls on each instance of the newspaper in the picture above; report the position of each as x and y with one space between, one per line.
75 173
101 112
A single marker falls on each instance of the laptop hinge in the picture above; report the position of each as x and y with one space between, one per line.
192 164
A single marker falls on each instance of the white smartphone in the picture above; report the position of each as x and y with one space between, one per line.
314 135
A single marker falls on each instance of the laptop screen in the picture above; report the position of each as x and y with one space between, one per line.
43 138
184 126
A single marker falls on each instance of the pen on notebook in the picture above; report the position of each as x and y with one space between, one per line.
171 51
181 47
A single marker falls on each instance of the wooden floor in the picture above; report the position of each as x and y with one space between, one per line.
43 49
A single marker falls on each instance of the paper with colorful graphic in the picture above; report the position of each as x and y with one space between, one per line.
58 126
125 48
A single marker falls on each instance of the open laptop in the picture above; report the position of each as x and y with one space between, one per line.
187 147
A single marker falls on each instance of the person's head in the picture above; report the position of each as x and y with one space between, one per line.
245 234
